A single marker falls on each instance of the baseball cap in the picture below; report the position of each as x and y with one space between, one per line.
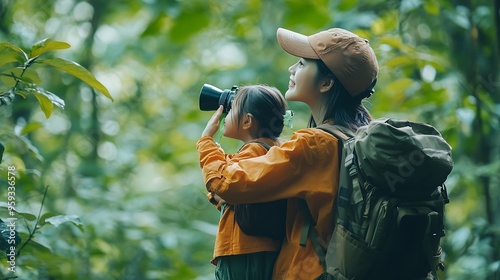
348 56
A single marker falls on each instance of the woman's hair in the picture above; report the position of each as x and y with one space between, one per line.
266 104
340 106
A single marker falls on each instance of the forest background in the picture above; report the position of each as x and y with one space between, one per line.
112 189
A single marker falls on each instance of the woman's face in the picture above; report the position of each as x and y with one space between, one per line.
303 85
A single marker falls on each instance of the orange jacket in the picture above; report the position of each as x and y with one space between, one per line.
230 239
304 167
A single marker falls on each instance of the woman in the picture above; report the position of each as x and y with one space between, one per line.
335 71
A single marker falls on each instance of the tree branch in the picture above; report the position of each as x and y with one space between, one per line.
32 233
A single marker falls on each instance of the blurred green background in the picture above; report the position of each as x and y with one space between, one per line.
113 190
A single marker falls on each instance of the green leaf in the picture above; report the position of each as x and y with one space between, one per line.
311 12
11 50
47 45
61 219
22 92
189 22
346 5
399 85
394 42
432 7
34 246
78 71
398 61
45 103
433 60
30 127
56 100
378 26
26 215
157 25
29 76
45 217
8 55
46 99
10 76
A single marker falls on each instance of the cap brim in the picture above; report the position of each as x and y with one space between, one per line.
295 44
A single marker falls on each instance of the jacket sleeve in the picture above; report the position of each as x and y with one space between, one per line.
283 172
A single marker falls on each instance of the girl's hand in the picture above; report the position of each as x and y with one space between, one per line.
219 199
213 123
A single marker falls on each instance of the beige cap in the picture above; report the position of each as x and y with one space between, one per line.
348 56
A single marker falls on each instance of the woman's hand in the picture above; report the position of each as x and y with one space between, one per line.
213 123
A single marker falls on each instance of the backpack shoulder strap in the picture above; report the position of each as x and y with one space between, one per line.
262 143
308 230
342 134
349 181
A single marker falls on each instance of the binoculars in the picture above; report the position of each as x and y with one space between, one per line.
212 97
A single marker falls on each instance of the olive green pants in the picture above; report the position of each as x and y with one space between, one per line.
246 267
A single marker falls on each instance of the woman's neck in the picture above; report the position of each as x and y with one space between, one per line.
317 114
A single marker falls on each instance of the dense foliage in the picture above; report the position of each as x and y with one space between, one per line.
112 189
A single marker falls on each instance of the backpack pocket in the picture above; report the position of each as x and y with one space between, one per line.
351 257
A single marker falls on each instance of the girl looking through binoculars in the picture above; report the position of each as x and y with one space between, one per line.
256 117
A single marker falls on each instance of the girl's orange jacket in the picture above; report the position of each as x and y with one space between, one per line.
305 167
230 239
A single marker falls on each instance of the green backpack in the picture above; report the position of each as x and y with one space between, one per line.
390 207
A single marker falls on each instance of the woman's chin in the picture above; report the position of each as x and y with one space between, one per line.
289 95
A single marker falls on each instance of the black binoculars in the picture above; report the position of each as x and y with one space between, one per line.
212 97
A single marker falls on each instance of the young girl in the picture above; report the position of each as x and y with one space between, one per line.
257 114
335 71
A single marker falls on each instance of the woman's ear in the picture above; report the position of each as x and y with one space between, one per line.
326 84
